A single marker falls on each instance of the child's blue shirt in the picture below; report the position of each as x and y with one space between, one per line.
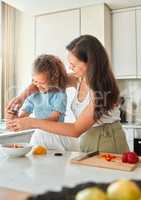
43 104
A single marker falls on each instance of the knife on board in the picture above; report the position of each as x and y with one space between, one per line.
86 155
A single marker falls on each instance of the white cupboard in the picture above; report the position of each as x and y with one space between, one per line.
124 44
54 31
96 20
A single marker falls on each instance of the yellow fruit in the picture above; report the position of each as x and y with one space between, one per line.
123 190
92 193
40 150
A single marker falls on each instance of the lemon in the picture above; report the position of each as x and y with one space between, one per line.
92 193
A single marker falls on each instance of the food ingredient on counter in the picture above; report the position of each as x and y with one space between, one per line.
14 146
130 157
40 150
108 157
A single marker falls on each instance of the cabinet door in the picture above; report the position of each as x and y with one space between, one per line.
94 19
124 44
138 23
89 23
129 133
53 33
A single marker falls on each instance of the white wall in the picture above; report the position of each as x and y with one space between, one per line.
24 49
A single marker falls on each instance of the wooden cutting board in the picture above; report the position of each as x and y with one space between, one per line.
99 161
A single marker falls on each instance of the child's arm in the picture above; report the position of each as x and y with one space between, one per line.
27 107
53 117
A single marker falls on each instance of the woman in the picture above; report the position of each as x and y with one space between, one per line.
95 105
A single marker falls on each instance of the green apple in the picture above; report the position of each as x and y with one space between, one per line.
123 190
91 193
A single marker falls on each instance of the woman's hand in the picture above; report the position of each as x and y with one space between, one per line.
10 114
18 101
15 103
20 124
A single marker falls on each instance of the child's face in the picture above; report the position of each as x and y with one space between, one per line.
40 80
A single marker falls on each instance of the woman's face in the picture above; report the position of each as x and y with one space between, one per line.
77 66
40 81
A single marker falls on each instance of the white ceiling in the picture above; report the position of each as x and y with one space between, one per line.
36 7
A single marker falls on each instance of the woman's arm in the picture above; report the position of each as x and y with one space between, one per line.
53 117
75 129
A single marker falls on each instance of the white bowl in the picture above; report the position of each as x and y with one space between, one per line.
15 152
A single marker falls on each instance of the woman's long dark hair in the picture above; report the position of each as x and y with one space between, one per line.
99 75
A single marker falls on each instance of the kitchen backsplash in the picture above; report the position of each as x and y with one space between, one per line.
131 91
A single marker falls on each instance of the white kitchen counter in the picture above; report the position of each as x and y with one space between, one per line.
37 174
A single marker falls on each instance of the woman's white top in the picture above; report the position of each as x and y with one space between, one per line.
78 107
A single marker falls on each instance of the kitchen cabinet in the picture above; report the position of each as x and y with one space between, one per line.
124 44
54 31
96 20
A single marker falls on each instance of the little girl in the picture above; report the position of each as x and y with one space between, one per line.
50 77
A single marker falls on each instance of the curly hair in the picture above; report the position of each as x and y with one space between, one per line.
54 68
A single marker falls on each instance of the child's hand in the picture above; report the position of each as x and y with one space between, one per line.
8 125
20 124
